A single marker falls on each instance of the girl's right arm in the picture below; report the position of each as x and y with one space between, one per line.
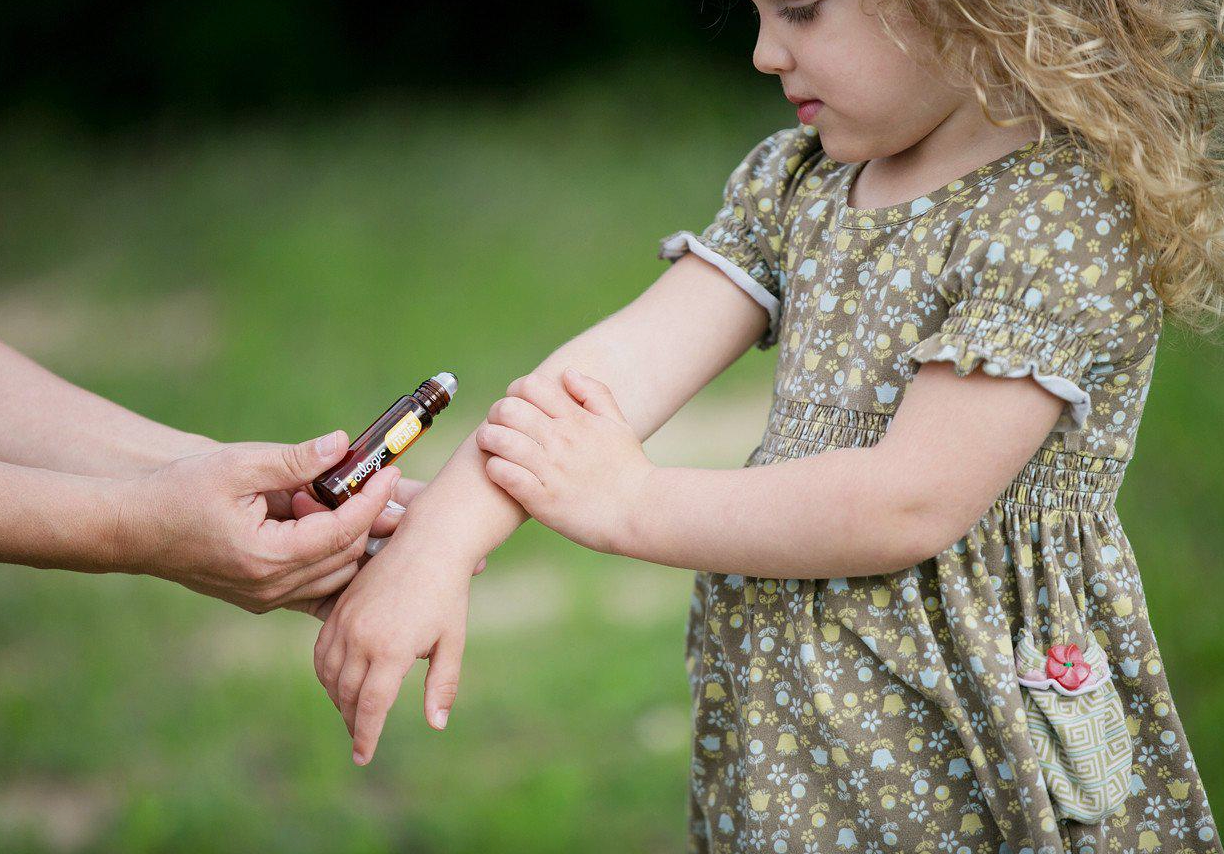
410 601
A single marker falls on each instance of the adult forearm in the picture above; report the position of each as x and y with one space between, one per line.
54 519
47 422
834 514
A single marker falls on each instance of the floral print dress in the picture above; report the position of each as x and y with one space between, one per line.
1006 695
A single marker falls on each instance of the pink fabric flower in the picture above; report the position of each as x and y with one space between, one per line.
1065 665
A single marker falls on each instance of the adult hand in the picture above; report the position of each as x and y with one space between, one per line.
294 502
204 521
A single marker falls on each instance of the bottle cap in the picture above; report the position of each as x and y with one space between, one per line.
448 381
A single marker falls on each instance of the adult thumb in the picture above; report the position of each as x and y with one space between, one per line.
287 466
594 396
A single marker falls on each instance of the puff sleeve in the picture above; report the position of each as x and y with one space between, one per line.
745 239
1056 287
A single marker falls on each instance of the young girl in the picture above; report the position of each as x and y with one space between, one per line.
917 623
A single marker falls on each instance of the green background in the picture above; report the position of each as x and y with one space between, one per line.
276 274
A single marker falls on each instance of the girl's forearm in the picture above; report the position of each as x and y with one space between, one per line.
460 515
461 509
463 514
47 422
832 515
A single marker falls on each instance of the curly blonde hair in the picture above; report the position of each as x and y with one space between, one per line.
1135 85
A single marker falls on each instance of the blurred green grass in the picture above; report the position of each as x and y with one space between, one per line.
284 275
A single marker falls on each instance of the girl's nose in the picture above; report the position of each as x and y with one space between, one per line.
770 56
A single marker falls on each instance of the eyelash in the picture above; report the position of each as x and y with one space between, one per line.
800 14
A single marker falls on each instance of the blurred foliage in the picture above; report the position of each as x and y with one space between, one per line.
108 62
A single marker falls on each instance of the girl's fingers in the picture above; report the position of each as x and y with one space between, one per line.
333 662
382 686
322 644
521 415
594 395
510 444
442 679
352 675
523 486
548 395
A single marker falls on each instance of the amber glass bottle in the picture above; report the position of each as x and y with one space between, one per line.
385 439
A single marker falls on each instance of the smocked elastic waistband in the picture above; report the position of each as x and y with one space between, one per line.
1051 478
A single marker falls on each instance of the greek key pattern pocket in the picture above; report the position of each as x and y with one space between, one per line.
1077 725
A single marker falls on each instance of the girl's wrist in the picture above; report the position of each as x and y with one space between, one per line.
633 536
435 529
417 543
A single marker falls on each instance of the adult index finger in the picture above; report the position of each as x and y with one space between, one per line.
320 535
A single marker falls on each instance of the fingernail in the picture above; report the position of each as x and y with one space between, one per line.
326 445
395 508
440 717
571 373
374 545
358 758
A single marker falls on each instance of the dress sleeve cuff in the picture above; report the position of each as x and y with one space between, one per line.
1011 341
675 246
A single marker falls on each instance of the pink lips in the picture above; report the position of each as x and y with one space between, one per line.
808 110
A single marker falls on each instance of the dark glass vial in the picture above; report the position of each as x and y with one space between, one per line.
385 439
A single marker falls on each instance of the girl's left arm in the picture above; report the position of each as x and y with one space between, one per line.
952 447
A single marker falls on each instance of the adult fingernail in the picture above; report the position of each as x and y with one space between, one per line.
358 758
440 717
395 508
326 445
374 545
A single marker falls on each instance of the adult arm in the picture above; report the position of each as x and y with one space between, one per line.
47 422
201 521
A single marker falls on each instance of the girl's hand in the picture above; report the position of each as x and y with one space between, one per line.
390 616
568 455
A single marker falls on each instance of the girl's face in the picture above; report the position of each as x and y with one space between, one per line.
875 100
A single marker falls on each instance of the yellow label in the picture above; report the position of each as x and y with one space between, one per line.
402 434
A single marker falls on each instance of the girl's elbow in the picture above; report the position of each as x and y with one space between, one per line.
929 524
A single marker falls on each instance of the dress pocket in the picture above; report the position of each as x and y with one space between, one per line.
1077 726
